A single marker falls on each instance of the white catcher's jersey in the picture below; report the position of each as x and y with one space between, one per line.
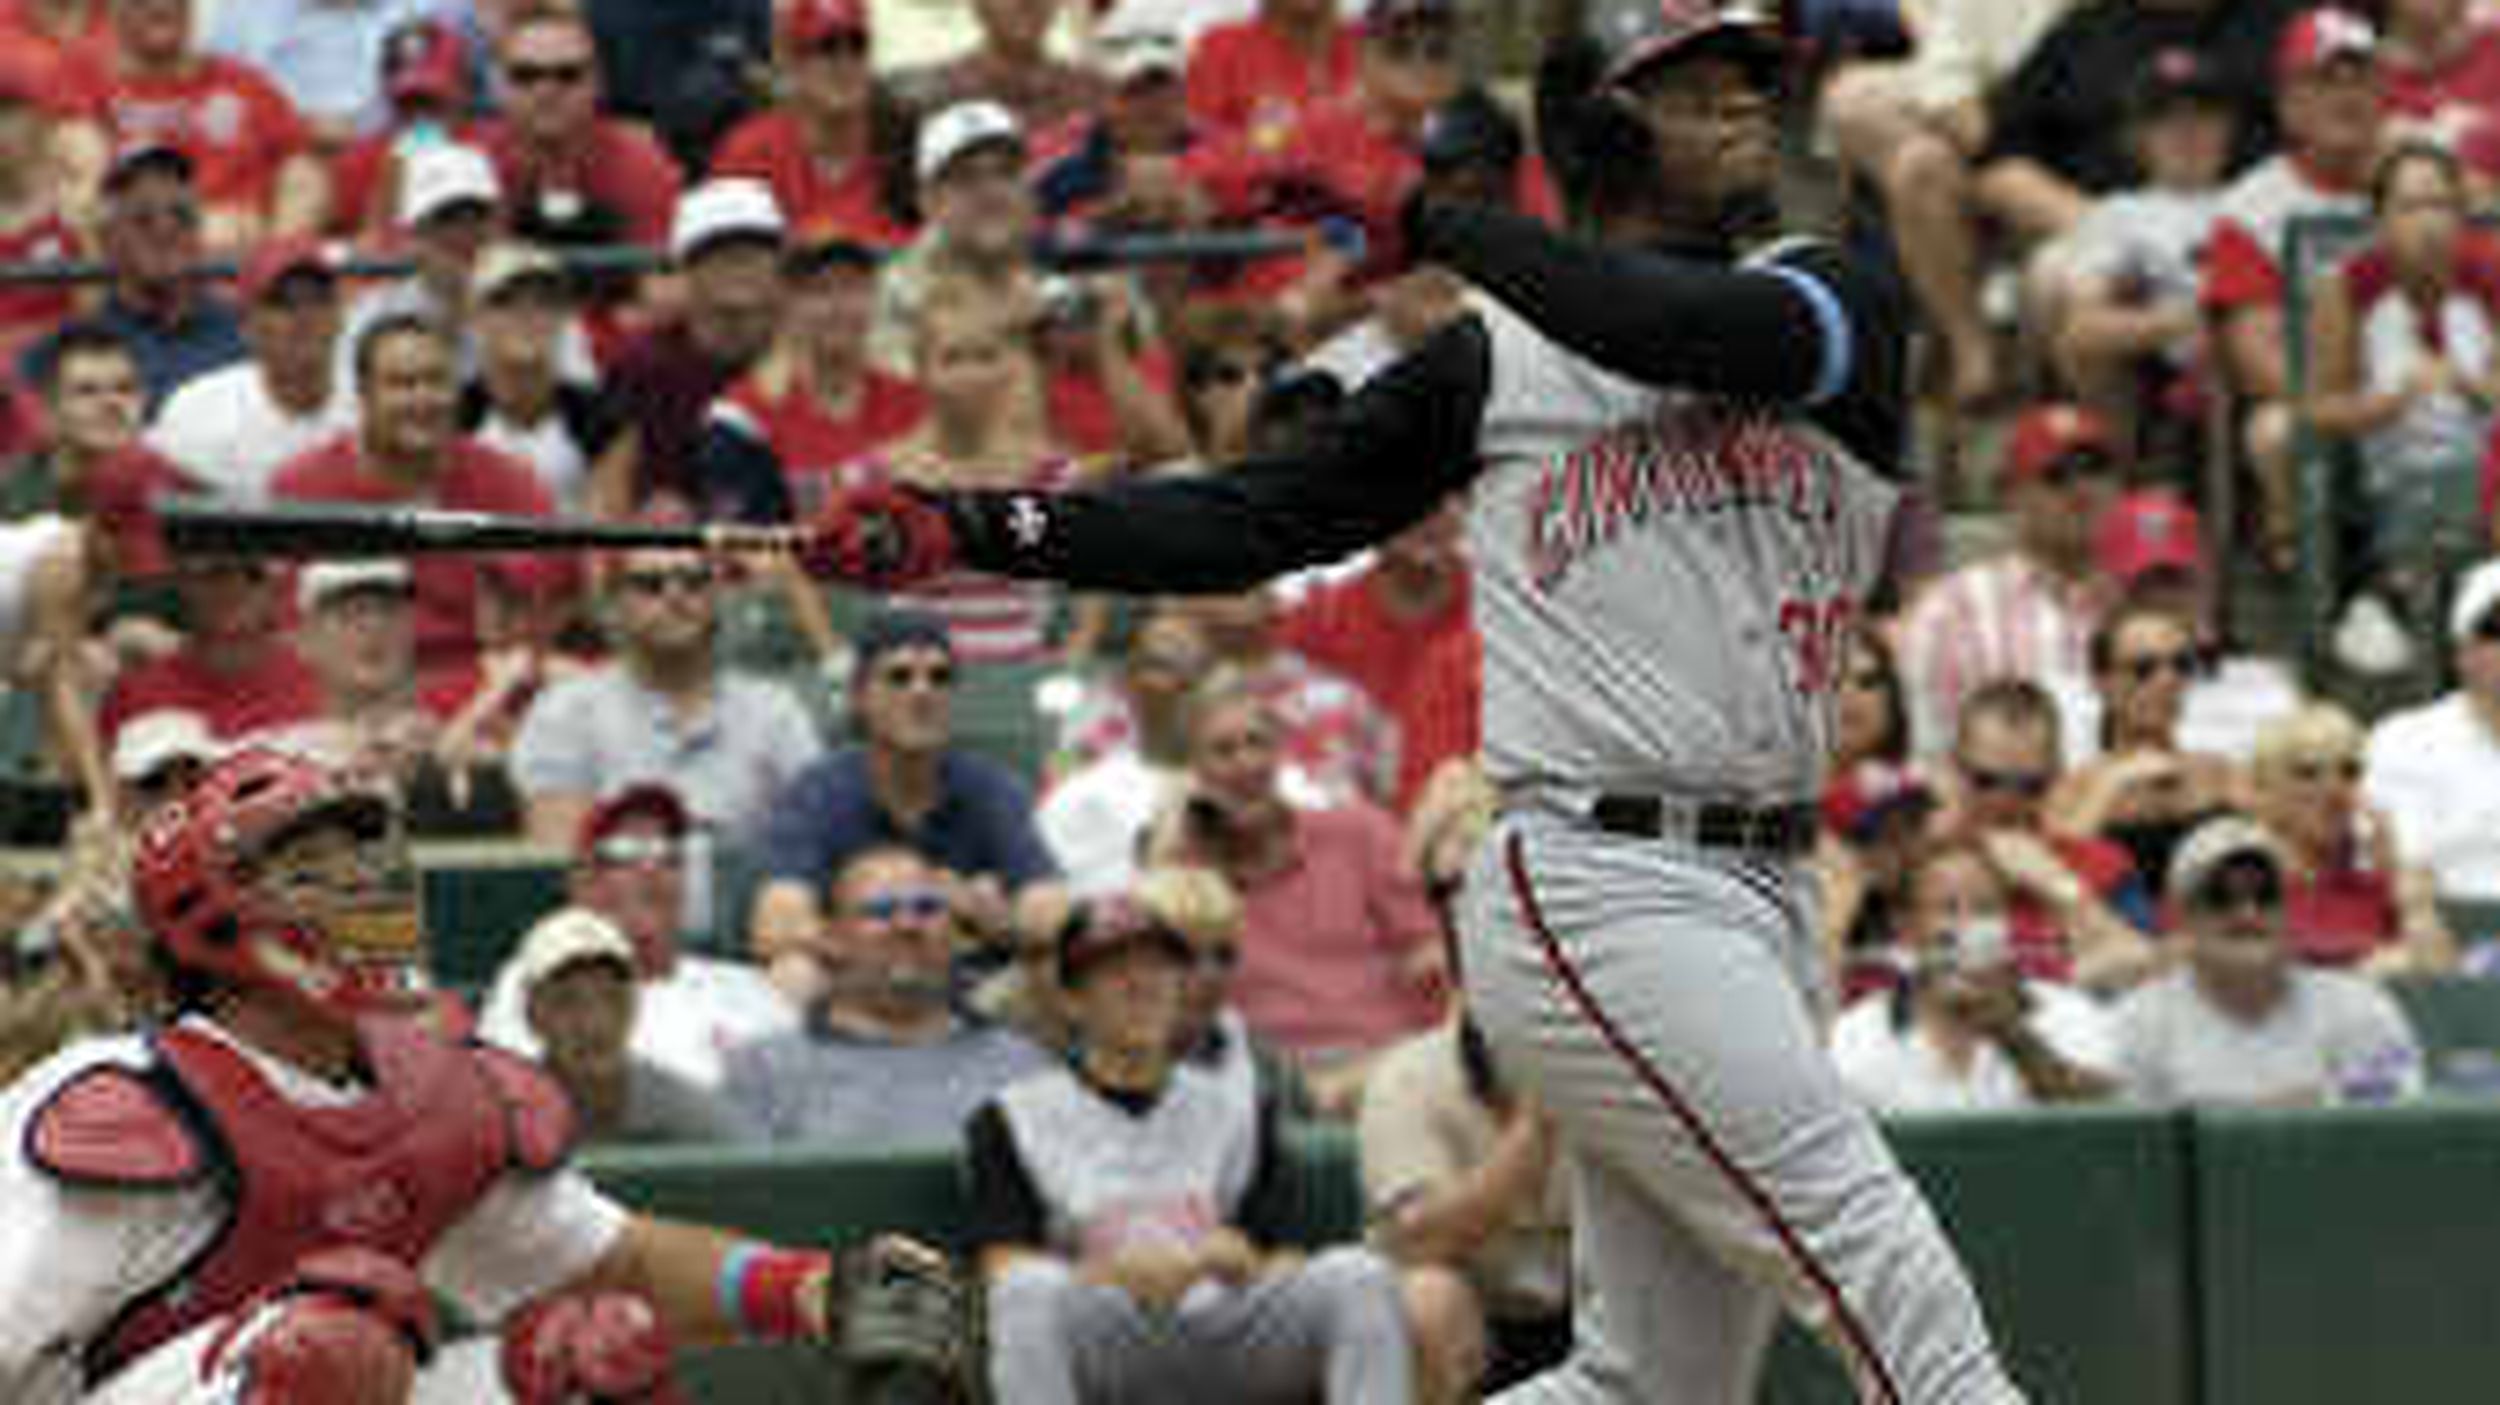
1664 580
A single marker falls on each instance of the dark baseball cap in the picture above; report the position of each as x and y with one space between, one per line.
144 156
2176 78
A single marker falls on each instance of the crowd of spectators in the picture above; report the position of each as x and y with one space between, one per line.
987 866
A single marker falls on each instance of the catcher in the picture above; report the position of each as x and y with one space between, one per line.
258 1200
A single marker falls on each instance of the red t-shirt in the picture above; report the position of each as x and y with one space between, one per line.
1079 404
232 121
815 445
28 310
1245 77
2469 79
1346 627
274 689
621 167
2337 917
1444 715
772 147
72 69
475 479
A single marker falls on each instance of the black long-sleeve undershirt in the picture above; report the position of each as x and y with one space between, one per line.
1409 436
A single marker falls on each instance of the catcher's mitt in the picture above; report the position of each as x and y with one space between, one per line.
906 1323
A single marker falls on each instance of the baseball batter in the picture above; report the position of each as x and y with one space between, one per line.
1677 448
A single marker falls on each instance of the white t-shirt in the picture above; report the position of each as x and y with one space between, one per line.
73 1257
23 545
685 1023
1093 820
2434 771
225 430
1900 1069
2334 1037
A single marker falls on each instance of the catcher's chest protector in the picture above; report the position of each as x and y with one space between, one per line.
393 1171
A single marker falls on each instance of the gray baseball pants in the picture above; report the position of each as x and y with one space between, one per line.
1330 1327
1662 1002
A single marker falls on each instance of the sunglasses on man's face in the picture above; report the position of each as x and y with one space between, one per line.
690 580
2244 886
536 75
910 904
934 675
2027 784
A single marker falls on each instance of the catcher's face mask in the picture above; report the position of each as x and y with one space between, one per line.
336 908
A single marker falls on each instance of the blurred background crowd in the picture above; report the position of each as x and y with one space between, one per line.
2168 758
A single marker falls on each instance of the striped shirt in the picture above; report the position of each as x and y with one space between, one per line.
2006 617
995 619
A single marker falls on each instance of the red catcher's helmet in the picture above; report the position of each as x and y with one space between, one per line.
348 954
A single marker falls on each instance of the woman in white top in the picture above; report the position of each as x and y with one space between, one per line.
1964 1031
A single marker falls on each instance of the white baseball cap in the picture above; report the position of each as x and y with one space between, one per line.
2217 842
506 265
735 207
962 129
1127 56
2477 592
566 937
438 178
151 741
324 581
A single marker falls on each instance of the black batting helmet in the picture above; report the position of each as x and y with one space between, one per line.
1598 149
1637 36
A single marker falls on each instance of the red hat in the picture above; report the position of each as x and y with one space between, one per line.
22 79
2053 434
650 800
426 59
2326 35
277 260
1857 803
808 23
120 495
2148 531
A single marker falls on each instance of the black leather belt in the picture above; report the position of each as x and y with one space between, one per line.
1777 830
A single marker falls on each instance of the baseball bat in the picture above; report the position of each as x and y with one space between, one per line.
309 531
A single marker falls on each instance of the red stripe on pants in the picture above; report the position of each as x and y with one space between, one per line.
1851 1330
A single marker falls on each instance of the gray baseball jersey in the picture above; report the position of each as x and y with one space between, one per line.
1664 580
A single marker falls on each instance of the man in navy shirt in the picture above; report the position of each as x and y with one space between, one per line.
905 784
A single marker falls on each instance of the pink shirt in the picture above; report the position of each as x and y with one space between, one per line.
1326 942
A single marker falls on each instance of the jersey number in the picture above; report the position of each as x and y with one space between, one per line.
1817 632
